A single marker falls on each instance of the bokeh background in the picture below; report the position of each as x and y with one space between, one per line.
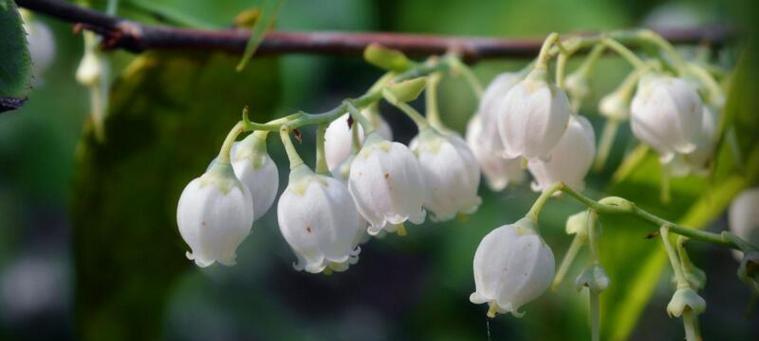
89 247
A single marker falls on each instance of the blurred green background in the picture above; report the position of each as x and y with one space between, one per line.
89 247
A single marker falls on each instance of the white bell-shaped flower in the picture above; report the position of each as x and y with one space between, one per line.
499 171
490 107
214 215
614 106
533 117
451 172
319 220
341 173
338 138
698 160
743 217
257 171
387 185
512 266
666 113
570 160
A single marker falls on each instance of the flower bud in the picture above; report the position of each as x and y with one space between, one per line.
338 137
451 173
387 185
743 217
90 70
594 278
577 87
512 266
570 160
614 106
214 215
533 117
685 299
257 171
318 219
578 224
499 171
385 58
408 90
667 114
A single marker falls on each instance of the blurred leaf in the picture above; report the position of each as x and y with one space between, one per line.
258 31
635 268
169 115
15 63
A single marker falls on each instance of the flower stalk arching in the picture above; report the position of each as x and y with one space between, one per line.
321 157
430 101
292 154
625 53
414 115
689 314
457 66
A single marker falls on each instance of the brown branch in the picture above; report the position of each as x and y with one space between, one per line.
137 37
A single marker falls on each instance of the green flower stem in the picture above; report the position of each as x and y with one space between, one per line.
616 205
545 51
418 119
226 147
590 61
469 76
430 101
321 158
654 38
692 331
537 206
592 235
561 68
355 139
577 242
674 261
607 140
292 154
625 53
595 315
713 88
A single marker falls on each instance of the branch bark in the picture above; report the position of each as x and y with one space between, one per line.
136 37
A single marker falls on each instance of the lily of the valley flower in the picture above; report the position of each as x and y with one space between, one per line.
512 266
533 117
387 185
667 114
697 161
499 171
319 220
570 160
451 173
257 171
338 139
214 215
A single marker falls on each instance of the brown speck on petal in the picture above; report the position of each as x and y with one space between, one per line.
387 175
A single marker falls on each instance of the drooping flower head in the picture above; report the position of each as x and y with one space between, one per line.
450 171
338 137
512 266
570 160
257 171
214 215
666 113
387 185
533 117
319 220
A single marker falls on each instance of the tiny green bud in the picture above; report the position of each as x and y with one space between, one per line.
387 59
618 202
594 278
408 90
578 224
685 299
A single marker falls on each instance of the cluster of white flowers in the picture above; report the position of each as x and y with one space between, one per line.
324 217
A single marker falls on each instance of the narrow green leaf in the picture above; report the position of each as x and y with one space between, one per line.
168 13
257 33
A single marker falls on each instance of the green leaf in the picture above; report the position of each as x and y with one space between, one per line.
15 63
636 267
257 33
168 118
